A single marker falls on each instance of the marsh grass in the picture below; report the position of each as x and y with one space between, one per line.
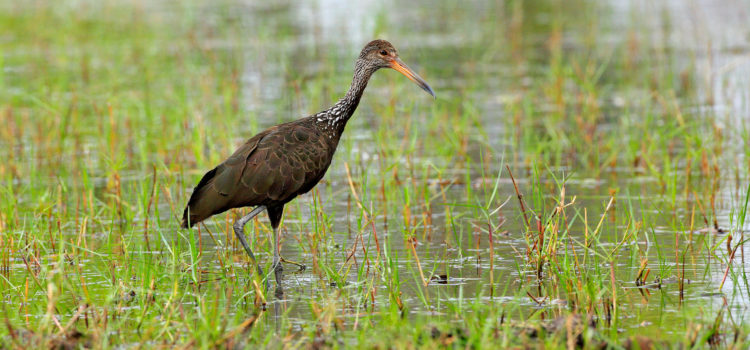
571 187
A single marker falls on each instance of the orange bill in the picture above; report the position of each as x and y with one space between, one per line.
398 65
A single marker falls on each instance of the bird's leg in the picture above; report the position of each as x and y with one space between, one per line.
278 269
239 231
274 213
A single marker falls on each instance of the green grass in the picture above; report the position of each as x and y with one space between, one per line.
634 192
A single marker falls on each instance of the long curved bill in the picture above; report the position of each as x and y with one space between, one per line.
400 66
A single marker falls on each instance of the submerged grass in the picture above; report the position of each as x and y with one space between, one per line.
576 184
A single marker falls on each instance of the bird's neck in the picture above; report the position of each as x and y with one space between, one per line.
339 113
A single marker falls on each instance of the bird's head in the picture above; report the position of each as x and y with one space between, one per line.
381 54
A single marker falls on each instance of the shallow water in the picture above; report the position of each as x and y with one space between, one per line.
289 47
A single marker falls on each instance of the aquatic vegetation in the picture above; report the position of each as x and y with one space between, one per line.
580 181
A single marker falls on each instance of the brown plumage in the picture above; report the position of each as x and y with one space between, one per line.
270 169
286 160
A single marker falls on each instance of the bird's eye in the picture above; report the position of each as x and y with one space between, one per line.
384 53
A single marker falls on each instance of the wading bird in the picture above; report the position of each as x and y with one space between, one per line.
286 160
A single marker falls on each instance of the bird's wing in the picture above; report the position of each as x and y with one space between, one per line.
229 172
273 166
285 161
220 188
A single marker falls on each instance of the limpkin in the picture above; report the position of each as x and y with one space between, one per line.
286 160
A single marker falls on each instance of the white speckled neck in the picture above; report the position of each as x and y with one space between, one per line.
334 119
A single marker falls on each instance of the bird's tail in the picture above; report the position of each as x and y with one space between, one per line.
201 204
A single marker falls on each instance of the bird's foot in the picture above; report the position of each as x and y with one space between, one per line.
278 270
301 267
